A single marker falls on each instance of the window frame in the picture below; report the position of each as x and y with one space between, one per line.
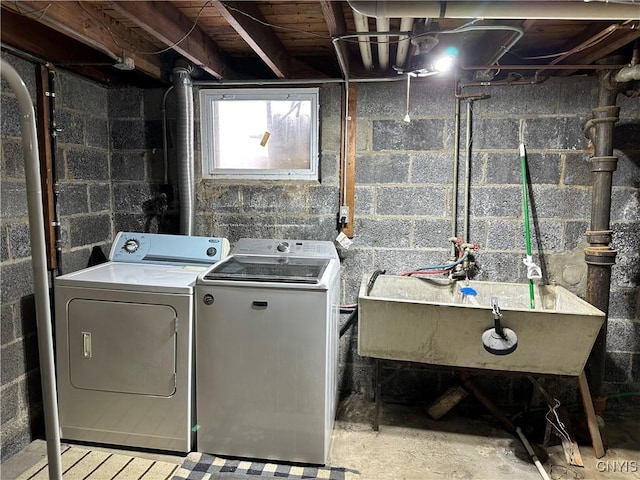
208 133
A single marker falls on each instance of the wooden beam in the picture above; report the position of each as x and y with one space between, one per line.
245 18
617 40
90 26
169 25
57 48
43 41
43 117
336 24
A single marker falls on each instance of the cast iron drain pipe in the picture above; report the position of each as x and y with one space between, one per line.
599 255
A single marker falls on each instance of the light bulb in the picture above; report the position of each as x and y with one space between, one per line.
443 64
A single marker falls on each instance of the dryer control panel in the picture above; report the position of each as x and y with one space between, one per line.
159 249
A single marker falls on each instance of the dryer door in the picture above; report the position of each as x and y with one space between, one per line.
122 347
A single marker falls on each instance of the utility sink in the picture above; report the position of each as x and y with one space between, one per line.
430 321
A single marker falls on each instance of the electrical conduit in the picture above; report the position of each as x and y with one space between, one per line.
39 262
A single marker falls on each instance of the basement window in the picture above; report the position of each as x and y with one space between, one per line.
261 134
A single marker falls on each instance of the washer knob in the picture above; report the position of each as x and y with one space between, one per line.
283 247
131 245
208 299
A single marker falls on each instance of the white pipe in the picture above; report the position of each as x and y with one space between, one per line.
627 74
406 25
532 454
39 264
185 148
507 10
362 26
382 24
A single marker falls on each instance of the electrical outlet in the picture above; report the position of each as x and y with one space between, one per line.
344 215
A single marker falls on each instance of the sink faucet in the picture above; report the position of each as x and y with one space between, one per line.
495 307
497 316
499 340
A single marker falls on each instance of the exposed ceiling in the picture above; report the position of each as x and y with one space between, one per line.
261 40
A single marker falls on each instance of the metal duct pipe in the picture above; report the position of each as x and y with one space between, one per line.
362 26
505 10
599 255
184 148
39 263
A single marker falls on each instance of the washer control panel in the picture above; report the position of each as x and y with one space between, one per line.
292 248
157 248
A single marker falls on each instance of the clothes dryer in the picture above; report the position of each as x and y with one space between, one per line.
124 336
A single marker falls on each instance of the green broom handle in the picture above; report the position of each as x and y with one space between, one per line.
525 209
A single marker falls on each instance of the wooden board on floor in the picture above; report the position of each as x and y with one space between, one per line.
446 401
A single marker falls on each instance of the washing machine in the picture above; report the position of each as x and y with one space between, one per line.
266 351
124 338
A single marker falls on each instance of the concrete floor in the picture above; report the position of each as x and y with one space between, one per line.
411 446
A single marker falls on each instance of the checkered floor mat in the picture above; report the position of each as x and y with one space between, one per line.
201 466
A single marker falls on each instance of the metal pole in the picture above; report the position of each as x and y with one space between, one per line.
39 262
454 185
467 171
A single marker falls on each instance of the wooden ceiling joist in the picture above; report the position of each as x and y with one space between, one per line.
262 39
336 24
494 45
88 25
601 50
165 22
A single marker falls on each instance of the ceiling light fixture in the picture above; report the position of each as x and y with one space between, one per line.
446 61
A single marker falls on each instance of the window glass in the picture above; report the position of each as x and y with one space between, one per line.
261 134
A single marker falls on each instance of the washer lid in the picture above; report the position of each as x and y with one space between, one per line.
134 277
252 268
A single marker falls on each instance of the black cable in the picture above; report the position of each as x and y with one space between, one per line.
373 279
349 322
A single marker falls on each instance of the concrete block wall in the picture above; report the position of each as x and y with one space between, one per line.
404 199
272 209
112 175
85 206
83 169
144 196
109 163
